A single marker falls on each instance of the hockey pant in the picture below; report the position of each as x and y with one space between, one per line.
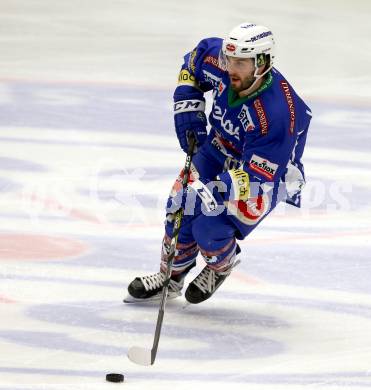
212 234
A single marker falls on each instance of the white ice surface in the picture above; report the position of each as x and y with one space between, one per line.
88 156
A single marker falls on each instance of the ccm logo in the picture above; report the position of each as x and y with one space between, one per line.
189 105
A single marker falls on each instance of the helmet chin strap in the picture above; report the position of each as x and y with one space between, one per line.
252 88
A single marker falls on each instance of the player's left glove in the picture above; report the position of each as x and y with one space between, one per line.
189 117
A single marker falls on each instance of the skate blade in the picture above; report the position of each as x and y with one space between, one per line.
154 299
186 304
130 299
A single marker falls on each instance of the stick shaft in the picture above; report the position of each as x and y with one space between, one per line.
178 216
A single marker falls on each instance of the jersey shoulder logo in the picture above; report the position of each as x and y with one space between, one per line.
191 60
213 61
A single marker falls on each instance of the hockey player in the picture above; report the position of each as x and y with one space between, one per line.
247 163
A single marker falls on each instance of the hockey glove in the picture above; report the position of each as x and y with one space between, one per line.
189 117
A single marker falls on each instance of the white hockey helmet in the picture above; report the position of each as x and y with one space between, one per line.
249 40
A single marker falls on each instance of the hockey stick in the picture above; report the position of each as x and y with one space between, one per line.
144 356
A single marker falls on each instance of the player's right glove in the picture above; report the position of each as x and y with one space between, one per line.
189 117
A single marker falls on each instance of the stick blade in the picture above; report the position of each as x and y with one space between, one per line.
141 356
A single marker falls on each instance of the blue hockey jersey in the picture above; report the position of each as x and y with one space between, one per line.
266 131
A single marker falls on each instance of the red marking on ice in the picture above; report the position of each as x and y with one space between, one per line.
246 278
53 204
78 214
4 299
33 247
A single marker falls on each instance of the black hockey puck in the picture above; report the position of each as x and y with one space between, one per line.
114 378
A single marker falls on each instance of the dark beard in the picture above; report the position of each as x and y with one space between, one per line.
245 85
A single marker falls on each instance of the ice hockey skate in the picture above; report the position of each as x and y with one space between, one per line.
206 283
149 288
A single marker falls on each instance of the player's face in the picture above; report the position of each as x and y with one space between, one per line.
241 72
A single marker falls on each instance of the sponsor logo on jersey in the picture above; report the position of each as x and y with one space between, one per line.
241 184
245 119
230 47
226 124
228 145
260 36
262 116
290 103
191 61
211 78
263 166
251 211
205 195
186 78
218 145
212 61
221 88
